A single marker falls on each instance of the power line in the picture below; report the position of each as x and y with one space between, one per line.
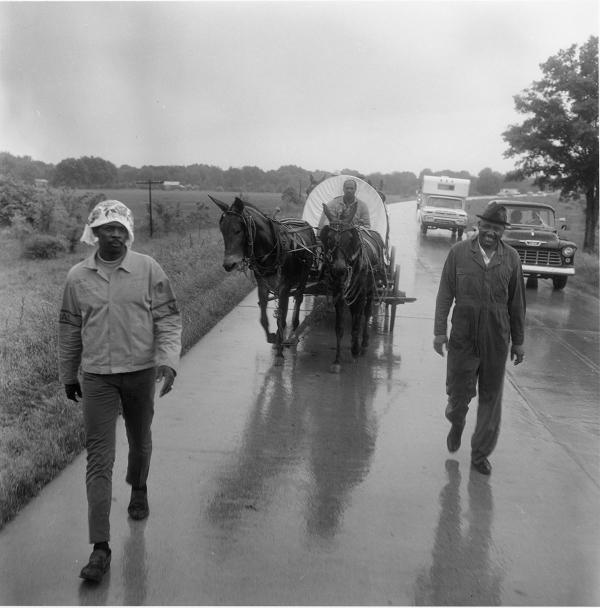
150 182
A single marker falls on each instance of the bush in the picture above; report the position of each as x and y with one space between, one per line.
290 195
16 199
43 246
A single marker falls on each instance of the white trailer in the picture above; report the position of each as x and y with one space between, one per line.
441 204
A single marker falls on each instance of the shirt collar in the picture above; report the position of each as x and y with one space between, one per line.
90 262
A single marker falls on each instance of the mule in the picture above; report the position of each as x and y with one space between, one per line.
280 253
352 270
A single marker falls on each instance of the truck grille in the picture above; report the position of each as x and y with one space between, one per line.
539 257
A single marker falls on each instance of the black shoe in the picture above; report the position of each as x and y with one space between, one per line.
453 439
138 505
96 568
483 466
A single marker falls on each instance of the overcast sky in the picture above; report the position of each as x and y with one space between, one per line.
371 86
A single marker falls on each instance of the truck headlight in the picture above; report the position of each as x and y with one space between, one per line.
568 251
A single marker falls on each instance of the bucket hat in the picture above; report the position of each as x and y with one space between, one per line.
104 213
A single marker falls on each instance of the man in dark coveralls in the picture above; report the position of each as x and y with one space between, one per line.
483 277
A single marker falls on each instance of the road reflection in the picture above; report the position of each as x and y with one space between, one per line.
92 594
343 430
304 419
462 572
135 564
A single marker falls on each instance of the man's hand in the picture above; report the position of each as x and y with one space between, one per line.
517 353
438 344
168 374
73 391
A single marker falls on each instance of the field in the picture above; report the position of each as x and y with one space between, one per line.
190 203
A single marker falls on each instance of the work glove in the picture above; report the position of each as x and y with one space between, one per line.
168 374
73 391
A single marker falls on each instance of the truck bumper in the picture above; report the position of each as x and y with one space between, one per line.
448 224
547 271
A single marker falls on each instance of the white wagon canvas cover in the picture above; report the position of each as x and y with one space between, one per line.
332 187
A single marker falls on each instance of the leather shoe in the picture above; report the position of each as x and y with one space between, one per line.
95 569
453 439
138 505
482 466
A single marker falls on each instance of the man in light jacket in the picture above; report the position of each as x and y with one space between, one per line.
120 333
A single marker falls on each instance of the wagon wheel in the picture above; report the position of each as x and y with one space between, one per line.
395 294
387 290
392 259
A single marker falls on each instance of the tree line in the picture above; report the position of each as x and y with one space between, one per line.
93 172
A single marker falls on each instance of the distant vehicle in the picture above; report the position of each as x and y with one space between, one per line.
170 185
441 204
508 192
534 234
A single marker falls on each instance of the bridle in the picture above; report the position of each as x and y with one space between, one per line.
351 284
250 260
338 229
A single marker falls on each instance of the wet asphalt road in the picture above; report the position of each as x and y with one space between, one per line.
292 485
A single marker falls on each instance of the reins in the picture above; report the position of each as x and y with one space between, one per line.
352 288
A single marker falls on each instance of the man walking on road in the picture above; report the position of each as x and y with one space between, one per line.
483 277
119 323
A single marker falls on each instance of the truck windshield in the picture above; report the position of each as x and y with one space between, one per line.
531 216
444 203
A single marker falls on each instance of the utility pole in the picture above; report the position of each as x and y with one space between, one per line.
150 182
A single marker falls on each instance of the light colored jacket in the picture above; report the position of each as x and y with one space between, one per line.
338 207
123 324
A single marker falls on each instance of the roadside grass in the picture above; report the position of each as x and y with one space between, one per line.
40 430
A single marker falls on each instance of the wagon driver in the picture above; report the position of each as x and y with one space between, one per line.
340 207
483 277
120 327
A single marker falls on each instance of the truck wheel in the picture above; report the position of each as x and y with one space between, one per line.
423 229
559 282
531 283
460 232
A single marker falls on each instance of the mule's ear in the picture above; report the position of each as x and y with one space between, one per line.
327 212
238 205
220 204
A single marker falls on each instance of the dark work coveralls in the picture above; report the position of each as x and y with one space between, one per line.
489 311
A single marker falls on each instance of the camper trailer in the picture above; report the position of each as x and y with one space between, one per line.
441 204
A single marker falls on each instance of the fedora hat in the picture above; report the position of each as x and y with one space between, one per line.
495 214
